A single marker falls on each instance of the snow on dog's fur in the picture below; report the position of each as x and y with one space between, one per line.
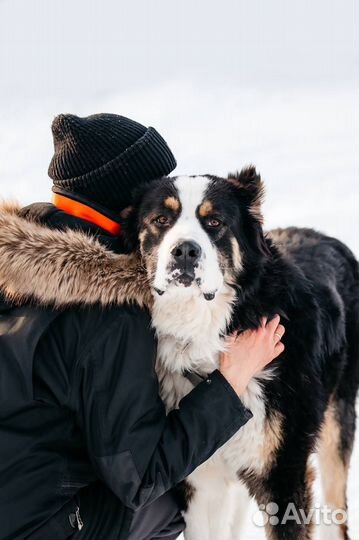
199 246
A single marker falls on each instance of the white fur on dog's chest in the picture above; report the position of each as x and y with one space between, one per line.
189 339
189 329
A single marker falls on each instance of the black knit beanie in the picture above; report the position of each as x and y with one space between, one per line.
105 156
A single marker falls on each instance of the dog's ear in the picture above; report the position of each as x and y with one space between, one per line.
130 219
129 224
251 189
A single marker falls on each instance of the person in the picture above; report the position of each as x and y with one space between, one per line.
87 450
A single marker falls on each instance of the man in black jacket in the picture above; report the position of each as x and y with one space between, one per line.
87 450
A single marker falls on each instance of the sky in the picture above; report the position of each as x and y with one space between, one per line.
68 48
268 82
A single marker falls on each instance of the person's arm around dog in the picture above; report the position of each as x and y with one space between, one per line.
138 450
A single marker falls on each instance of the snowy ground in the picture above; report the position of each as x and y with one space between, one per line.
305 143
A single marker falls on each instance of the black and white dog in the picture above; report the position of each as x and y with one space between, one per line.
197 243
214 271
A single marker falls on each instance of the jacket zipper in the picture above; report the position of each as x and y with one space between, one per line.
79 521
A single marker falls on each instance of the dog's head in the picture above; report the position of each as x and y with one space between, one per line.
198 232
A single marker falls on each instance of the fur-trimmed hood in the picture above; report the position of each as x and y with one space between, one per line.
63 268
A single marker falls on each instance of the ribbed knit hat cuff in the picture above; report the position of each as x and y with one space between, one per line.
150 150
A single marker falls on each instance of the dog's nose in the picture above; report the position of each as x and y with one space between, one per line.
187 252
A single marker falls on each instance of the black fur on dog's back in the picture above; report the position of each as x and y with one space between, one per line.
331 271
334 274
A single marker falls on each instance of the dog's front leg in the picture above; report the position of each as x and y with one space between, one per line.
242 500
211 507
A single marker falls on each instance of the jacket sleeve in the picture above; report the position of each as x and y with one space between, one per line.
136 449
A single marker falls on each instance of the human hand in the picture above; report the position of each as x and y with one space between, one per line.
249 352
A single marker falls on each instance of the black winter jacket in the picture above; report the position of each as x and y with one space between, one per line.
79 402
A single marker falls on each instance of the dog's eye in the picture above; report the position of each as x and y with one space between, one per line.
214 223
161 220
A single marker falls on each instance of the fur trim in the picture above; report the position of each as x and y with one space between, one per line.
62 268
9 207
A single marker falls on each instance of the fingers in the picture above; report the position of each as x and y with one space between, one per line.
278 349
264 322
279 333
272 330
273 324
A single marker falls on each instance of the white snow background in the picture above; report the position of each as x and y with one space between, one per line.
269 83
